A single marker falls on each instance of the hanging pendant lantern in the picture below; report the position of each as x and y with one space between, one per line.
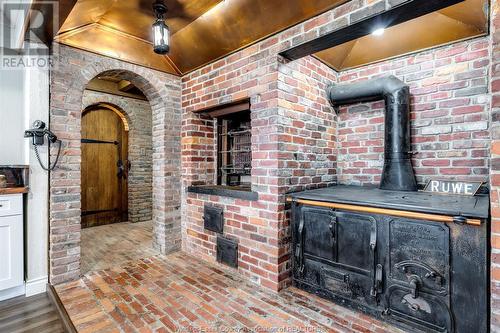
161 32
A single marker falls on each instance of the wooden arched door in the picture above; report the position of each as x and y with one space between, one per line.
104 168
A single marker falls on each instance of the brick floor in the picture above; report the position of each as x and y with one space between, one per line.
115 244
181 293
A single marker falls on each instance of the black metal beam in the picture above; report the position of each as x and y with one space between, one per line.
93 212
99 141
386 19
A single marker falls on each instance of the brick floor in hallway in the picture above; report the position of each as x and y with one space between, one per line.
115 244
181 293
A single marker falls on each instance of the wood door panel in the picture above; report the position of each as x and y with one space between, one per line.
104 193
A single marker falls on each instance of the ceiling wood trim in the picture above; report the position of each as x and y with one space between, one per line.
393 16
115 94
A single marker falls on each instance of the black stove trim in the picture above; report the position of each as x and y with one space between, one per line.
423 202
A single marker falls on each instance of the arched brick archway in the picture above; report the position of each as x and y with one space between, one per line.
163 92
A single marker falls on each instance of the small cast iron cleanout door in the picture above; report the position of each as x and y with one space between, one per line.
104 168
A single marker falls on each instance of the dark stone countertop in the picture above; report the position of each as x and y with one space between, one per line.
224 191
422 202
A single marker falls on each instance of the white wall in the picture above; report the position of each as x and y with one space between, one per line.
24 98
36 94
13 146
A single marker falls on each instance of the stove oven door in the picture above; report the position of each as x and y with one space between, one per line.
418 274
425 311
337 251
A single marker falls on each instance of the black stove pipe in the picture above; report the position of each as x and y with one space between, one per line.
398 172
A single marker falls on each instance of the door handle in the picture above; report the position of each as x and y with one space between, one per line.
299 249
121 170
332 226
415 284
333 234
373 237
377 268
377 285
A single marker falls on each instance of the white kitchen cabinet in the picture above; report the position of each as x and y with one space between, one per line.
11 245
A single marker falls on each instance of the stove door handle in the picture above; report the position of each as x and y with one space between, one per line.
333 226
373 237
299 249
378 279
377 268
333 234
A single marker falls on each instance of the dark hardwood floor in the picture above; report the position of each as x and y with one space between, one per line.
29 314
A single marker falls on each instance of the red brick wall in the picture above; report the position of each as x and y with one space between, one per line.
295 142
307 126
449 116
292 141
495 166
250 222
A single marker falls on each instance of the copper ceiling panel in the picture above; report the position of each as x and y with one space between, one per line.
232 25
86 12
465 20
108 42
206 30
136 16
470 12
203 30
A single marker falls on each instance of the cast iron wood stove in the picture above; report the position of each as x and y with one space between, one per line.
426 272
415 259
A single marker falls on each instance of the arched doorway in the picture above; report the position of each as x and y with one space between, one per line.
105 166
116 175
163 93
